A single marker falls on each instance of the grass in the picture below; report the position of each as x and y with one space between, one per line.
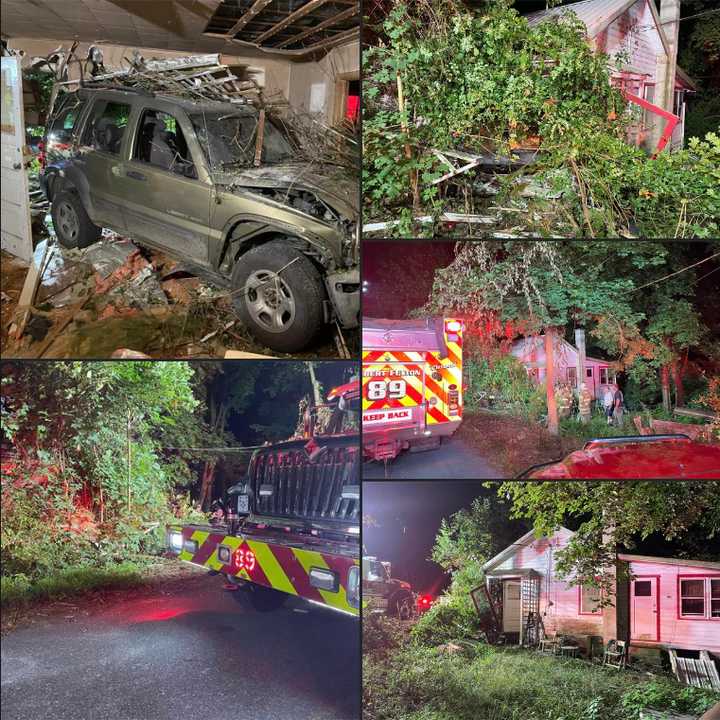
415 682
68 582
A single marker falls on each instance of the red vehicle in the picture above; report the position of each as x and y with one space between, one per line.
640 457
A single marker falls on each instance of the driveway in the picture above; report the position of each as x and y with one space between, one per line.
186 649
454 459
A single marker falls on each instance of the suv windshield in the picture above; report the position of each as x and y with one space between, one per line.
229 138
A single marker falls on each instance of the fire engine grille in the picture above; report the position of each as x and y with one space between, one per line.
288 482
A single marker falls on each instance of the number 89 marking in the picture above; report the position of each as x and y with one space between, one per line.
380 390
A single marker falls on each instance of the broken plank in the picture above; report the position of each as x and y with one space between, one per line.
29 290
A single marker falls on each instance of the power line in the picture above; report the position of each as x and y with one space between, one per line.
677 272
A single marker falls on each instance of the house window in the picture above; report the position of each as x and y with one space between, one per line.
607 376
590 597
588 372
700 597
572 376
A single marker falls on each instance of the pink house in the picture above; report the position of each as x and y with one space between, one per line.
641 42
659 603
530 351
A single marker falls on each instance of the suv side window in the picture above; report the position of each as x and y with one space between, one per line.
106 126
160 142
65 122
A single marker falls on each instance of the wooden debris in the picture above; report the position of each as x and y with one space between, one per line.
701 672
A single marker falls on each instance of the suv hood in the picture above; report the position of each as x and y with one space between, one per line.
333 185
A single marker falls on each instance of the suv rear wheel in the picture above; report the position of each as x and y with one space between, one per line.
73 227
278 294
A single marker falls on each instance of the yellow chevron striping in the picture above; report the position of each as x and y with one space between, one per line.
271 567
309 559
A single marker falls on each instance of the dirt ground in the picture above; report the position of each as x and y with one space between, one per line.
511 443
115 298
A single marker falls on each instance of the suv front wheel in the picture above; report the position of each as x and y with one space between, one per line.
73 227
278 294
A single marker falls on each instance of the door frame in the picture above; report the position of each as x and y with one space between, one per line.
657 605
342 85
517 582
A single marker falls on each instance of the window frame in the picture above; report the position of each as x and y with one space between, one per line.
707 579
599 611
89 125
179 122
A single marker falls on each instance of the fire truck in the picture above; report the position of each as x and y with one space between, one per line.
411 384
291 527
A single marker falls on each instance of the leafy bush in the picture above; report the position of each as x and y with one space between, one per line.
381 634
502 381
452 618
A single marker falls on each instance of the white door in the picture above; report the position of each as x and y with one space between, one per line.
511 606
644 609
15 228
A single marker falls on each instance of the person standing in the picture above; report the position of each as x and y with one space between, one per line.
618 401
608 400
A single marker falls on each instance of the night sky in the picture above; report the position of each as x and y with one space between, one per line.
408 515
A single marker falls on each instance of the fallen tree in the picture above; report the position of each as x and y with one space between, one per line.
480 113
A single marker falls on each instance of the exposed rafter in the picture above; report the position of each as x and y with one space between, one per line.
257 7
291 18
344 15
335 39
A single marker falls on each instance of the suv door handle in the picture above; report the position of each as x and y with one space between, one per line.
135 175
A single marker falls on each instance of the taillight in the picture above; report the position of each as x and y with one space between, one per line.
424 602
453 400
244 559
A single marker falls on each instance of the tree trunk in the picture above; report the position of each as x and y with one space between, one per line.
678 368
665 385
553 423
207 482
317 393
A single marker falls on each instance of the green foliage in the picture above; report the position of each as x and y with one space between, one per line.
70 581
502 382
664 696
422 683
485 81
612 515
452 618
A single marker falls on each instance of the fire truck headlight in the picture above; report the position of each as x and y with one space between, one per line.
190 546
353 587
453 326
324 579
175 541
224 554
351 492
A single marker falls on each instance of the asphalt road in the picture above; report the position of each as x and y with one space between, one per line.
454 459
190 652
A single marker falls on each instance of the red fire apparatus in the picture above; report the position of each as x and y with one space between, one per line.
411 384
292 525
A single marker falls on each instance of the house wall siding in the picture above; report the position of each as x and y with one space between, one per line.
635 33
676 631
559 602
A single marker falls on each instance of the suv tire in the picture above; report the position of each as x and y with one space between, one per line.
291 302
73 226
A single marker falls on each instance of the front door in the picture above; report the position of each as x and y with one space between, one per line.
167 204
644 609
511 606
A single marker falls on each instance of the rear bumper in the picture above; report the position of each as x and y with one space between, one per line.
319 571
389 442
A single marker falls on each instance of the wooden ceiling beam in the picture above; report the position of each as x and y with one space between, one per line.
335 39
257 7
291 18
344 15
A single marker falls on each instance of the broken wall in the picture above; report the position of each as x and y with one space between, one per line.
313 85
273 75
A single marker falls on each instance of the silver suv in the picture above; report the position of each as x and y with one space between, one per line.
218 187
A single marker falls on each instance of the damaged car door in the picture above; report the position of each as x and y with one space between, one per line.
166 190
